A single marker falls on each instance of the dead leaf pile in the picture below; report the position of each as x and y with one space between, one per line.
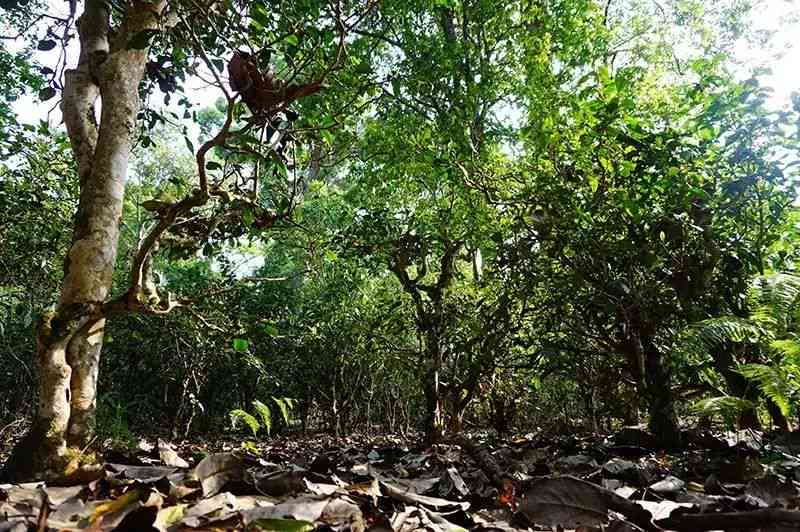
738 481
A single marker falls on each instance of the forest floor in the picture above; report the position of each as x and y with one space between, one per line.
623 482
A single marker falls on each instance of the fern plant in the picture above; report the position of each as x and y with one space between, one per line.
772 324
780 382
726 406
263 417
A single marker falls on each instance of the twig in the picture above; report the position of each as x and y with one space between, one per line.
756 519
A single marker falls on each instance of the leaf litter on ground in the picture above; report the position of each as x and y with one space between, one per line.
624 482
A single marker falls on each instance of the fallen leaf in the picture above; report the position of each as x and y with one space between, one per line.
58 495
662 509
773 492
571 502
305 508
219 507
280 525
668 485
278 483
116 505
563 502
434 503
216 470
144 474
169 456
456 482
169 516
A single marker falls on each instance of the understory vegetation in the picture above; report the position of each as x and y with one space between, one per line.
548 217
566 217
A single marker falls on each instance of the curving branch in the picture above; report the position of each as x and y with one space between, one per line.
133 298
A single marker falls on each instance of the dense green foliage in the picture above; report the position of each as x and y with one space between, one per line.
505 214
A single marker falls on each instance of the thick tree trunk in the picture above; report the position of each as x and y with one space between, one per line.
663 421
69 343
653 380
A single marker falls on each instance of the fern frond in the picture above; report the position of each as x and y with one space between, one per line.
726 406
773 383
240 415
265 413
716 332
778 295
788 348
285 404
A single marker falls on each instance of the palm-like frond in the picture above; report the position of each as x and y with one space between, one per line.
774 302
726 406
285 404
775 382
265 414
716 332
777 296
788 349
240 415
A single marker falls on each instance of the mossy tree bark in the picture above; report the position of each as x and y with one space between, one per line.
110 71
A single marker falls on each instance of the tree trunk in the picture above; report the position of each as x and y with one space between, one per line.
502 412
69 341
434 398
737 384
658 393
778 419
590 401
653 380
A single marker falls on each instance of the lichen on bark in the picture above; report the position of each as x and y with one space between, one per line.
69 341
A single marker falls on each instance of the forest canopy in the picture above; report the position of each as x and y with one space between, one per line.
235 220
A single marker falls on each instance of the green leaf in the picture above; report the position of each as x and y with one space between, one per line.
260 15
240 415
773 383
364 67
292 40
593 182
189 144
265 414
240 344
725 406
285 405
213 165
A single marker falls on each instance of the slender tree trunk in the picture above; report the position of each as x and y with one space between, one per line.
737 384
457 407
430 329
434 398
70 340
778 419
